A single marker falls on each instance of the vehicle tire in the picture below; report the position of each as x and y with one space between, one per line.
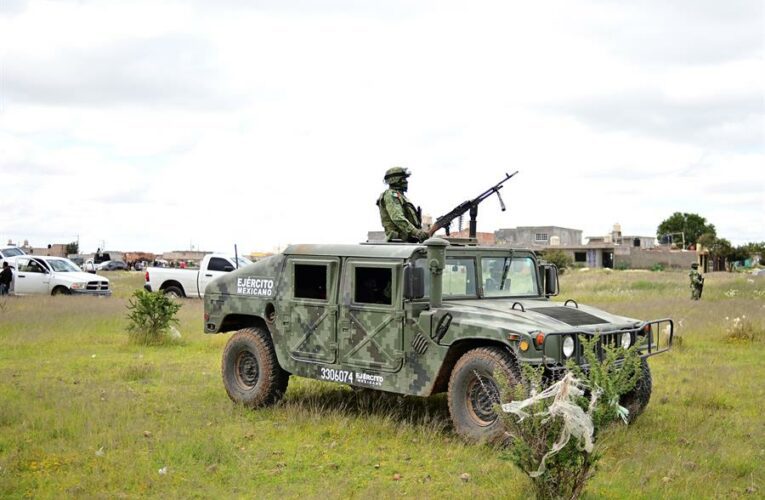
251 373
174 291
473 390
61 290
637 399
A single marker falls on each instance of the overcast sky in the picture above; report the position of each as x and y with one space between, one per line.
150 125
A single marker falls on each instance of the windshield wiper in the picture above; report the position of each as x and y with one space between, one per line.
505 269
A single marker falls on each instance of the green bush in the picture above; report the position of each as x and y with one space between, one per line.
151 317
553 436
559 258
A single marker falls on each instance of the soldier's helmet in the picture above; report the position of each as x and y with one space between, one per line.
395 173
694 266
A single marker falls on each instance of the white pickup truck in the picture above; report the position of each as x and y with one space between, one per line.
54 276
191 282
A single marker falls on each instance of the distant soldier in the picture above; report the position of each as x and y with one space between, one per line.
697 282
399 218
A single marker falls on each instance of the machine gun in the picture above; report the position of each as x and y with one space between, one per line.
472 206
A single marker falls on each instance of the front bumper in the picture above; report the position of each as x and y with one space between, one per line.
100 293
652 337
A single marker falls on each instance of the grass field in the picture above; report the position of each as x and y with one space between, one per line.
85 414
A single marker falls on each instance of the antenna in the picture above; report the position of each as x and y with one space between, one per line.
236 256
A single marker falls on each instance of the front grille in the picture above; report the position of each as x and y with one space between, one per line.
96 286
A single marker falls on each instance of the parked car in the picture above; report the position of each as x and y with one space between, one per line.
191 282
8 253
55 276
112 265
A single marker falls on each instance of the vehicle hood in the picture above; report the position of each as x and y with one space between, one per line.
79 277
527 315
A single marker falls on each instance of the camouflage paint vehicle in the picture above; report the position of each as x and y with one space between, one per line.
413 319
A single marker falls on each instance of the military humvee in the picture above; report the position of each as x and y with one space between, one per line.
413 319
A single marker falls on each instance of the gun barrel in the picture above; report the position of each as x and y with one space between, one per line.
445 220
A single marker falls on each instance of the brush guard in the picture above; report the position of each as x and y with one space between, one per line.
653 337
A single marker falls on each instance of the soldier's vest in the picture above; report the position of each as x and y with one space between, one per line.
411 214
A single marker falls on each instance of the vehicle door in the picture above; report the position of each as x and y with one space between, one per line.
32 276
310 321
215 267
372 315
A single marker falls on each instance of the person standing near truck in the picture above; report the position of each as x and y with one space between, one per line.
399 218
6 277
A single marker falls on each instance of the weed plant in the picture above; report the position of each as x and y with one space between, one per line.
552 439
150 318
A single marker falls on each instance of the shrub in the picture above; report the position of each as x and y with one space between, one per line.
741 329
658 267
559 258
552 431
151 317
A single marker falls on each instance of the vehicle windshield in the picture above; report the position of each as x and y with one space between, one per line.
243 261
12 252
63 266
509 276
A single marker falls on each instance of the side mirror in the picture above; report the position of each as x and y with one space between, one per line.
550 276
228 269
414 282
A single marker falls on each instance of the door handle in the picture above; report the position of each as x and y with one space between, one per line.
208 275
21 276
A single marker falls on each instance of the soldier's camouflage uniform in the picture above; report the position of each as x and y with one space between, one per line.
399 218
697 284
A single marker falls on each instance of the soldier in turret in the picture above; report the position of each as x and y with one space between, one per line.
400 219
697 282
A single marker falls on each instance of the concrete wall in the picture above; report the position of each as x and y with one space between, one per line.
639 258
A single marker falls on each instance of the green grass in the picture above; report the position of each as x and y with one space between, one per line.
84 413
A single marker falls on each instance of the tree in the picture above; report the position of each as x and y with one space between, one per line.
691 225
72 248
559 258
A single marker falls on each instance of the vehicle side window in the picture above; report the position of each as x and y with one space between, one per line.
373 285
217 264
310 281
458 277
32 266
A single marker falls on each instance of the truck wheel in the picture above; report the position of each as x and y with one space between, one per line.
637 399
174 292
61 290
473 391
251 373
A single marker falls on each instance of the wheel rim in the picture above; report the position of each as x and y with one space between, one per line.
247 370
482 395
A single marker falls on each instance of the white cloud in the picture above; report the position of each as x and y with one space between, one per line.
152 125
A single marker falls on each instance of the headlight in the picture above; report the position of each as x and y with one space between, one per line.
79 286
626 340
568 346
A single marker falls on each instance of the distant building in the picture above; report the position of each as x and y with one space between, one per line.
616 237
184 255
53 250
538 237
484 239
375 236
